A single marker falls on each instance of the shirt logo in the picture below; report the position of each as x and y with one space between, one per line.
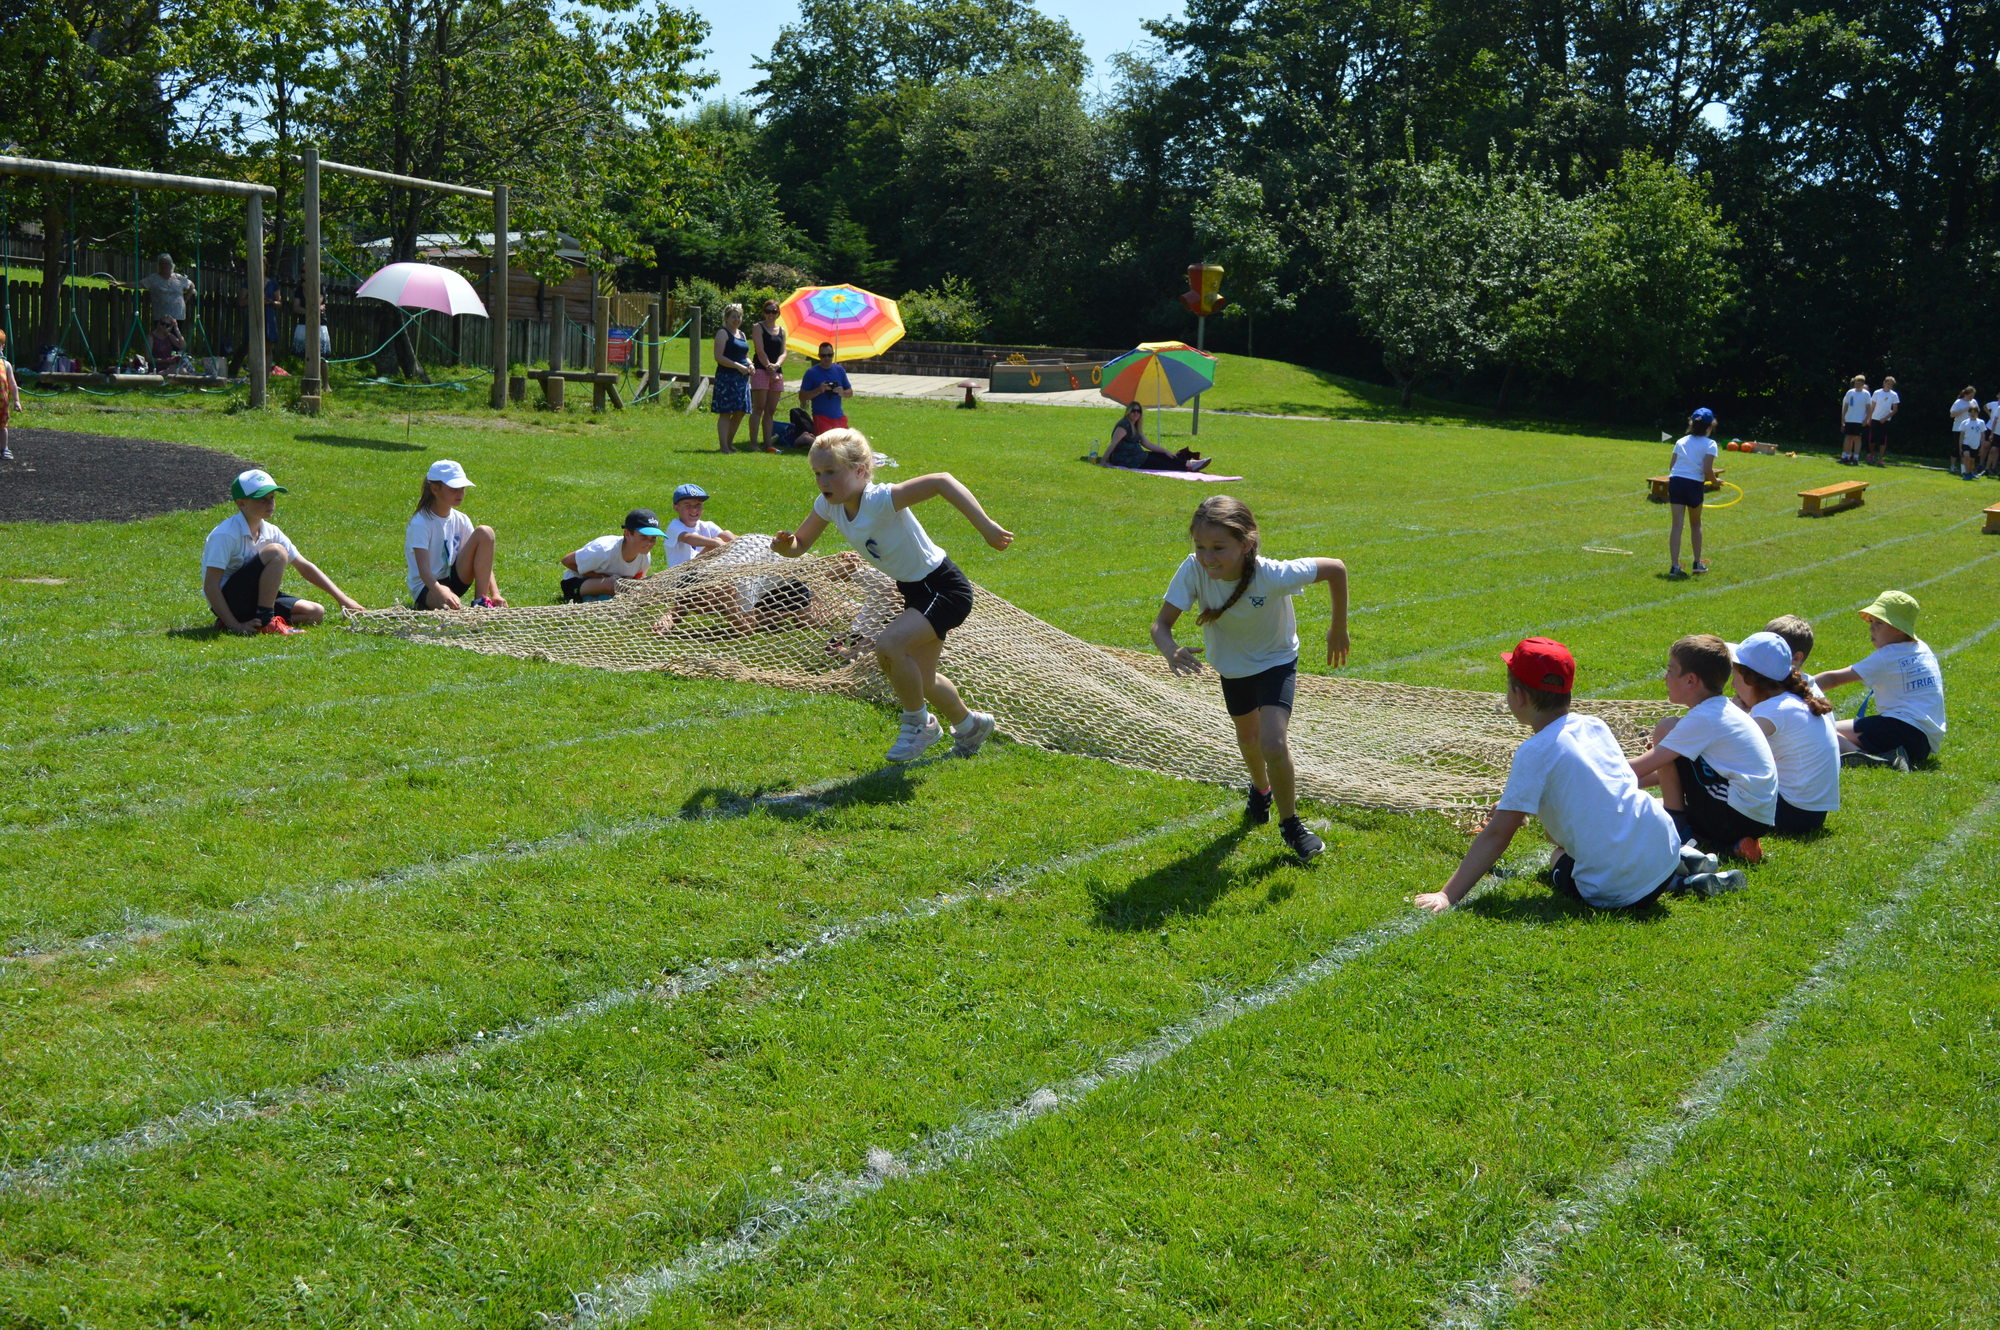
869 545
1257 601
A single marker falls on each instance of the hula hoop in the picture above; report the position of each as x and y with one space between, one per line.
1732 503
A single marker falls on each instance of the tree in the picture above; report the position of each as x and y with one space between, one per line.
1231 228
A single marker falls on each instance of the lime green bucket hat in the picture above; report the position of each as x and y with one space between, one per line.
1898 609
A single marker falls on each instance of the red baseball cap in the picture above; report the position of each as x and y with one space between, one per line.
1542 662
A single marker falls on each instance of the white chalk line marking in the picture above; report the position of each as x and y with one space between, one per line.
1526 1259
148 928
57 1167
828 1194
91 815
1713 589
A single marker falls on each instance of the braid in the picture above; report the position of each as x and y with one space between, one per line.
1242 585
1795 684
1233 516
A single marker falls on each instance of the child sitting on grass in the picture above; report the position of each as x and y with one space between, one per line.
1798 724
1906 684
446 554
1615 847
688 536
595 569
1714 769
244 562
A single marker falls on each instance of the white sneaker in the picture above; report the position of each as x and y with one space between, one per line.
912 740
1707 885
1695 861
971 732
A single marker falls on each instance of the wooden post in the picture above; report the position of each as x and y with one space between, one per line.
656 313
498 300
600 351
1200 344
552 389
253 256
309 386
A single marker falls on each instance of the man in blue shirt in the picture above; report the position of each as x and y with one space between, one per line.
823 390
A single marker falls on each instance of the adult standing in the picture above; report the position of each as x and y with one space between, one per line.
767 385
167 292
1130 448
1854 404
1881 410
730 399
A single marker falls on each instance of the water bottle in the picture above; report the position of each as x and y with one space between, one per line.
1093 452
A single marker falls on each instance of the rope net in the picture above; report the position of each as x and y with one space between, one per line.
744 613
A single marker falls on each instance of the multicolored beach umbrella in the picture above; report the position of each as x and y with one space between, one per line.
424 286
859 323
1159 374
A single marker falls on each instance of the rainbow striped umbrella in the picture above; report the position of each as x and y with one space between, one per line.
1159 374
859 323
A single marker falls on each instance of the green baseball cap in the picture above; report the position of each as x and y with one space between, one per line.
254 484
1898 609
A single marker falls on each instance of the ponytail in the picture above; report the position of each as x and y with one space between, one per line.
1793 683
424 496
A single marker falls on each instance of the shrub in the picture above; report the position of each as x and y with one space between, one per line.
947 312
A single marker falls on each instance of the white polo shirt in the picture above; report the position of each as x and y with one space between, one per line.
1259 632
231 545
1724 736
1573 776
442 537
605 557
889 537
1908 686
1689 453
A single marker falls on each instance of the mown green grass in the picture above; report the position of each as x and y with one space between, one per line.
322 872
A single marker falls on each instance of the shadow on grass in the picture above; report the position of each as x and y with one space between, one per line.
373 445
891 784
1187 886
1533 900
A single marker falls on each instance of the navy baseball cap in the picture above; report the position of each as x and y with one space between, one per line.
1702 416
644 521
689 491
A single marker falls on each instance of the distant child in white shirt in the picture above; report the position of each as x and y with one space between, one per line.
1251 638
1616 847
1904 682
1855 404
688 536
1687 486
1713 766
1968 424
592 572
937 597
243 564
1798 724
1882 409
446 555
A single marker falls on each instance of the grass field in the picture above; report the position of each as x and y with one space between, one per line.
349 981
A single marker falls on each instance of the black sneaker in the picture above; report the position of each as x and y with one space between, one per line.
1300 840
1257 808
1897 759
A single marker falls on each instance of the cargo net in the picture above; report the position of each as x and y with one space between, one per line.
744 613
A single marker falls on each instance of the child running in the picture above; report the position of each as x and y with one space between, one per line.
1616 848
446 554
592 572
1798 724
937 597
243 564
1906 684
1251 637
1687 487
1713 765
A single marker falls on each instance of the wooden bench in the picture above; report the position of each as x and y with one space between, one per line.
1829 499
606 381
84 379
1658 493
1993 520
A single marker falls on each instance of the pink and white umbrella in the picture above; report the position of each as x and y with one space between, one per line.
424 286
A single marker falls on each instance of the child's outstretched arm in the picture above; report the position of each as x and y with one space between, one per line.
701 542
1487 847
1835 679
919 488
791 544
1180 659
1334 573
310 571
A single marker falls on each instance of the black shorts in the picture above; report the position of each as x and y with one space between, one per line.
239 592
1687 493
943 597
1878 433
572 587
1797 821
1266 688
457 585
1885 734
1710 817
1562 876
1852 429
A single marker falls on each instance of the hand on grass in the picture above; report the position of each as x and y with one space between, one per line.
1434 901
1336 646
1183 661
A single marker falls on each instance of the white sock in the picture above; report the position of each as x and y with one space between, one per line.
919 718
959 728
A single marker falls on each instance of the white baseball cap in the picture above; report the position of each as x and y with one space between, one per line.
255 484
1767 654
448 473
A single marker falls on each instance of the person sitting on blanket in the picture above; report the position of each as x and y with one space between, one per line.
1131 448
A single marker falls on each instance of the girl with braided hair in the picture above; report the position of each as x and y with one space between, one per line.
1798 724
1251 638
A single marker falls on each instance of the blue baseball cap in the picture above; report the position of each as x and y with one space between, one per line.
1702 416
689 491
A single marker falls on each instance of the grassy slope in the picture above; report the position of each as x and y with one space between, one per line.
315 902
